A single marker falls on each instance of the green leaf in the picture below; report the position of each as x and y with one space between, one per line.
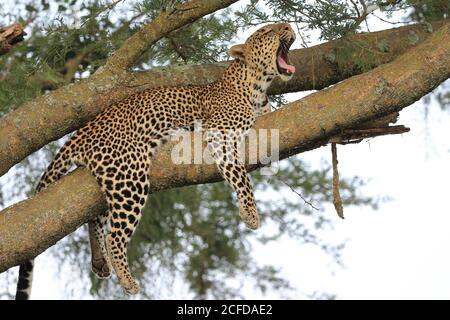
45 4
30 8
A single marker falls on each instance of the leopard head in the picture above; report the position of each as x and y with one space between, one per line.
267 50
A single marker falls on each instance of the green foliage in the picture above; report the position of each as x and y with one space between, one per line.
204 41
58 32
426 11
331 18
429 10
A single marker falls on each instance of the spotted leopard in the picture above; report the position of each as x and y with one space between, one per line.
119 144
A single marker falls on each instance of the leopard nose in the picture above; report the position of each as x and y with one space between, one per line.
286 27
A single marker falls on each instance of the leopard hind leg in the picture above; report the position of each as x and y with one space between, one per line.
126 213
124 180
100 263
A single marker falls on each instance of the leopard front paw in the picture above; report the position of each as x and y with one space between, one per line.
250 216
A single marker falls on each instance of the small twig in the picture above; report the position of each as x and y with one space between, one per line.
390 22
356 8
367 25
337 201
177 49
128 23
301 197
71 65
177 10
358 134
304 43
106 8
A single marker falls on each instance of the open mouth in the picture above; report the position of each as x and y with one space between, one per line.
283 64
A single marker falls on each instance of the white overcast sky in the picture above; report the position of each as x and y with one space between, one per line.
400 251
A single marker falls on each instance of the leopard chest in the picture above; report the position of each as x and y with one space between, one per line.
258 92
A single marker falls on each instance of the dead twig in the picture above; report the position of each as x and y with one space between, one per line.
357 135
337 201
299 194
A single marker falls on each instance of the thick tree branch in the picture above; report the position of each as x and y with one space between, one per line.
67 105
9 36
31 226
68 108
317 67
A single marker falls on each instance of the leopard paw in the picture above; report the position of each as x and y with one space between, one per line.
101 268
250 217
132 287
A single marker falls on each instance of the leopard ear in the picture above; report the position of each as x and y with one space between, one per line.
237 51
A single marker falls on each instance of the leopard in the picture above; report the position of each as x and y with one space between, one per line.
118 145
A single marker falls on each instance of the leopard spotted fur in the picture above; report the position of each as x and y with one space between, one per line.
119 144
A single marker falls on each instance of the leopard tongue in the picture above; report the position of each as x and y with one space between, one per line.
283 64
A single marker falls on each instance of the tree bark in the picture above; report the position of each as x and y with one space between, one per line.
29 227
9 36
68 108
65 106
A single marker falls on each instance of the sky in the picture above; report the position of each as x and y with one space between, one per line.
400 251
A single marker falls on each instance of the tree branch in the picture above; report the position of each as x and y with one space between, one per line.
9 36
31 226
68 108
18 128
164 23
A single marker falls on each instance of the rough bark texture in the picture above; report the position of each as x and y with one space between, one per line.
317 67
9 36
28 228
68 108
55 114
30 217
